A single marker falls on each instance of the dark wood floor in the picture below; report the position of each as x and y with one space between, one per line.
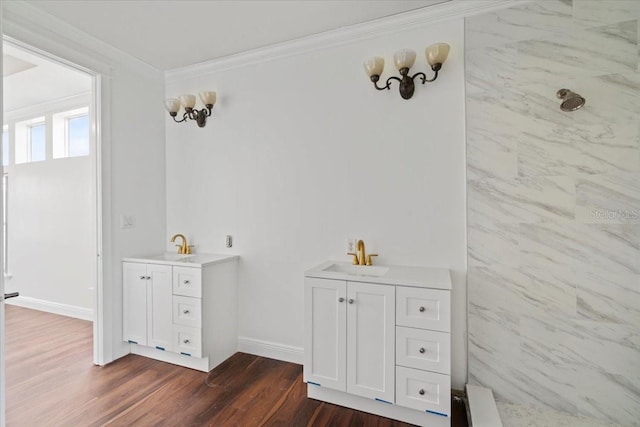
51 381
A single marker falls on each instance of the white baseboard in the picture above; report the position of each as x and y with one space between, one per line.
384 409
271 350
52 307
177 359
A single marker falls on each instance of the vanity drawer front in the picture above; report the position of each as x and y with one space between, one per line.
187 281
423 390
187 340
422 349
187 311
423 308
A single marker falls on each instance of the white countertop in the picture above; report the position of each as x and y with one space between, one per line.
191 260
421 277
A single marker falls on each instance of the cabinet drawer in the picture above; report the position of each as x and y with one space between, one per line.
423 308
422 349
187 311
187 281
187 340
424 391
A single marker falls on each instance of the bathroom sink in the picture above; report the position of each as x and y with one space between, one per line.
357 270
171 257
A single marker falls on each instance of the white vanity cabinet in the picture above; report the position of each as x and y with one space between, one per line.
362 365
147 299
181 309
380 344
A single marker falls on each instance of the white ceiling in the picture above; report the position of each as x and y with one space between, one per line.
174 33
12 65
44 81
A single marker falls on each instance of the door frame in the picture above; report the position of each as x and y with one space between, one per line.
99 85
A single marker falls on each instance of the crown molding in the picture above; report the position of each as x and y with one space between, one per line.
47 35
52 106
454 9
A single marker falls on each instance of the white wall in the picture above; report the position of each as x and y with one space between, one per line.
303 153
51 239
132 150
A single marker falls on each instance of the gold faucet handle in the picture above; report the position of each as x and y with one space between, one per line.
179 249
369 258
189 249
355 258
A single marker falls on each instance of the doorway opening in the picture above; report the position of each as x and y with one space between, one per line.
51 199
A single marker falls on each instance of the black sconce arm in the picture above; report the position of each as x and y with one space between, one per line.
423 77
375 79
184 117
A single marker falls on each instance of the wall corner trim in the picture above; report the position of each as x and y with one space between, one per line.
454 9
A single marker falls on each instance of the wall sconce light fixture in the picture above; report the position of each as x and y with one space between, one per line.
436 55
188 102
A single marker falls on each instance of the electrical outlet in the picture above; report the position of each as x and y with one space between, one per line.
351 245
229 241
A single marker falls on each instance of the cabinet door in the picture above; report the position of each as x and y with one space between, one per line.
134 300
160 307
325 333
371 341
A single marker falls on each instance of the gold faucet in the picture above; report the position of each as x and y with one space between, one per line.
359 258
183 248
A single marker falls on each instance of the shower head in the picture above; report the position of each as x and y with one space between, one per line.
571 101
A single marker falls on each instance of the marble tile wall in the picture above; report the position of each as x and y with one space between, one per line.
554 206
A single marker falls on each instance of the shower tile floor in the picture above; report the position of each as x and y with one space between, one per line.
514 415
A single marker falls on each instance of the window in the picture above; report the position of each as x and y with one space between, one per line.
37 143
71 133
5 145
30 140
78 136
